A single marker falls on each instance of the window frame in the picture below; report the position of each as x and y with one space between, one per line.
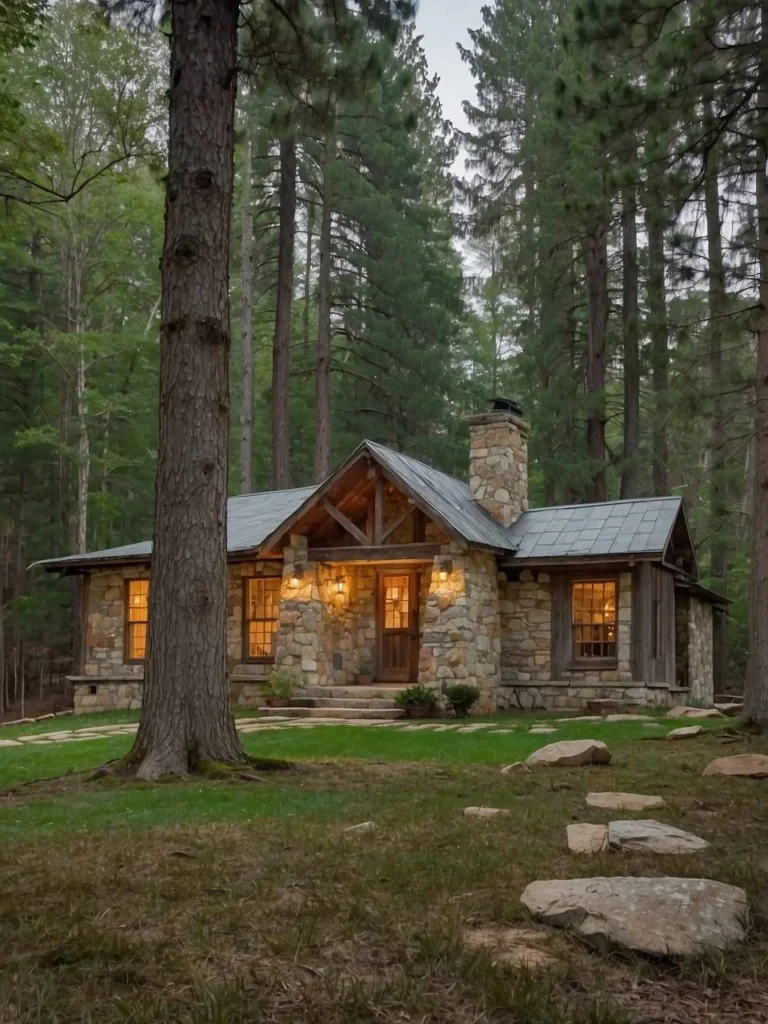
246 645
582 663
127 623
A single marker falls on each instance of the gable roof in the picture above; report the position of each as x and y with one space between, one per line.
250 518
634 526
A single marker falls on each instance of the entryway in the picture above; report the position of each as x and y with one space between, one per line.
397 626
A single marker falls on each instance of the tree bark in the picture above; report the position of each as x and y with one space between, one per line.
246 322
186 715
596 263
281 347
657 315
718 505
630 321
323 428
308 272
756 693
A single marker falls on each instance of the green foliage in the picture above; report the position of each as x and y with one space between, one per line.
280 684
417 696
461 697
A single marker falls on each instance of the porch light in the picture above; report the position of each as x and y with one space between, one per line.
294 583
445 569
339 584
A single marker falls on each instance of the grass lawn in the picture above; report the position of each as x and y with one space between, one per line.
215 902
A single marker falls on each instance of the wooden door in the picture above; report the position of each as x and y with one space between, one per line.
398 626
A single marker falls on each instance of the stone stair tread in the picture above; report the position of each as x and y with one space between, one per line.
336 712
341 702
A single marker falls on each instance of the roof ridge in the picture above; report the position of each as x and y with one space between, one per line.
596 504
419 462
281 490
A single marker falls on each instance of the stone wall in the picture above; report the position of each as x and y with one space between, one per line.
105 624
115 695
498 464
700 659
526 627
461 634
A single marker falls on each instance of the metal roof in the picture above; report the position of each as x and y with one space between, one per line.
250 518
449 498
636 526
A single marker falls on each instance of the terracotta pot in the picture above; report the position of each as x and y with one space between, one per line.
419 711
361 680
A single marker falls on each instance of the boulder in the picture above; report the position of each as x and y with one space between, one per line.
486 812
686 732
624 801
753 766
570 752
518 768
731 709
585 838
676 917
651 836
683 711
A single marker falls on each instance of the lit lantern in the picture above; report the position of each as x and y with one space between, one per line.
445 569
339 584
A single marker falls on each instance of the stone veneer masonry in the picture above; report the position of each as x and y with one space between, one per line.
498 464
700 660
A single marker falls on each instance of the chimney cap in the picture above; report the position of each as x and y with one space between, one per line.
507 405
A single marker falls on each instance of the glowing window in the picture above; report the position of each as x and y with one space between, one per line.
593 620
396 598
137 600
262 604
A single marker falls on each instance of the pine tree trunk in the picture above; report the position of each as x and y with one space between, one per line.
630 321
657 315
756 694
281 456
596 263
246 322
323 428
308 273
186 716
718 505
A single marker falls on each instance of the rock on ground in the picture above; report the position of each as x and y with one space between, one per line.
687 732
624 801
520 947
540 729
683 711
676 917
628 718
651 836
570 752
754 766
731 709
585 838
518 768
486 812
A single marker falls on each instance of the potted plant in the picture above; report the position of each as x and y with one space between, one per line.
417 701
461 698
365 676
278 690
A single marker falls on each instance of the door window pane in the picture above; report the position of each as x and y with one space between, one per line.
396 601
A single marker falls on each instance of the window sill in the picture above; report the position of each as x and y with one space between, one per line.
258 661
603 664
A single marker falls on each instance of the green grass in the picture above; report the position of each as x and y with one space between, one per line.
220 902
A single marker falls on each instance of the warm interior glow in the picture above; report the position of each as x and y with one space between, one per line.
136 627
593 618
340 585
396 602
262 606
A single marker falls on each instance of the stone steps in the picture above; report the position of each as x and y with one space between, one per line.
382 714
342 702
383 690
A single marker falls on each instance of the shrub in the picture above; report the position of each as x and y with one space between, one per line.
279 684
417 697
461 697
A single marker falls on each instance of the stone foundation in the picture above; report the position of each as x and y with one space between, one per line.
107 695
571 695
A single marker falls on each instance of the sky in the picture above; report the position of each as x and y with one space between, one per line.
443 23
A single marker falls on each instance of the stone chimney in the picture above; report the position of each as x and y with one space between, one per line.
498 460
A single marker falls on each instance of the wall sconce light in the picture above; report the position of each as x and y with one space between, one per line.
294 582
445 568
339 584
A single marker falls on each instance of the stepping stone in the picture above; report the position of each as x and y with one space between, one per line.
585 838
732 710
628 718
364 826
541 730
518 768
652 837
652 725
9 743
687 732
665 917
624 801
486 812
475 728
686 712
500 732
582 718
418 728
752 766
520 947
445 728
567 753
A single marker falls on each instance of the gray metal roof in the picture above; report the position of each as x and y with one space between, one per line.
250 518
450 498
638 526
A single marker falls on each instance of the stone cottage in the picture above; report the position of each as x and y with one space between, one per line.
393 569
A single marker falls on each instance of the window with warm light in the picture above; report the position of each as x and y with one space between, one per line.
593 620
137 614
396 600
262 604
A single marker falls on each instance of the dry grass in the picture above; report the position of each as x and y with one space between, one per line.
273 914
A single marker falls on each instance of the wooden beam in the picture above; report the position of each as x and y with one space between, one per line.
349 526
376 553
378 511
398 521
